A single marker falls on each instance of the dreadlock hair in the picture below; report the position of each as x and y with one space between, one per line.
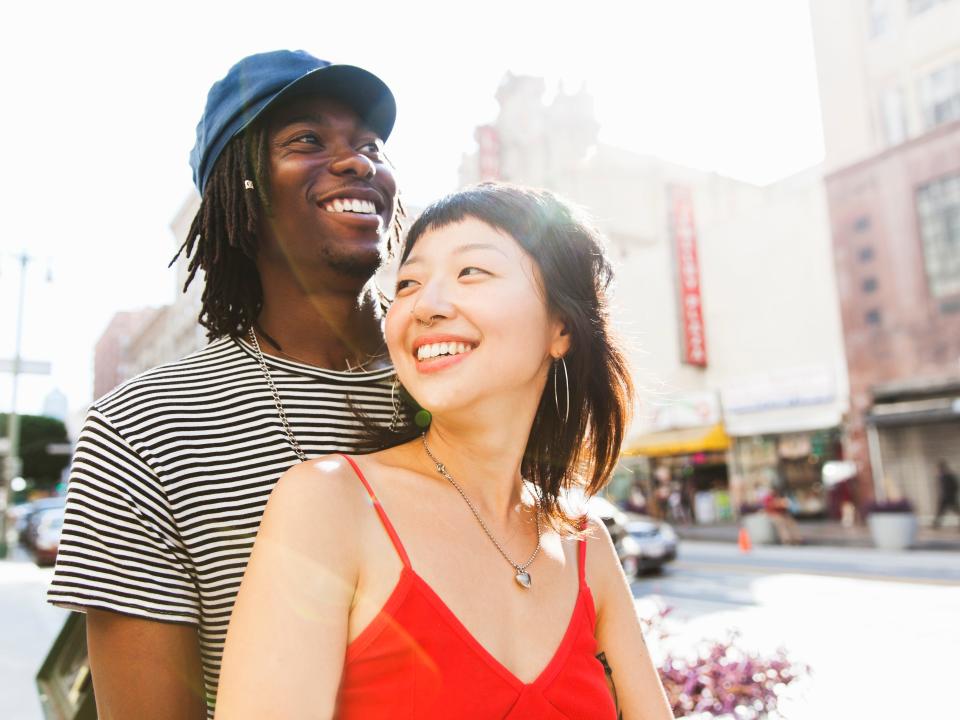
223 241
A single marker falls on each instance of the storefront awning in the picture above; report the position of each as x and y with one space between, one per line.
908 412
679 442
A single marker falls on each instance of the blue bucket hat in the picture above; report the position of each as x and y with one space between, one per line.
258 81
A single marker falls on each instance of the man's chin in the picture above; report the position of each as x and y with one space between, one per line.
360 266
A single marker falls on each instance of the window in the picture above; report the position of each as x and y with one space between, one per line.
877 17
894 118
919 6
938 208
872 317
940 95
950 306
865 254
869 285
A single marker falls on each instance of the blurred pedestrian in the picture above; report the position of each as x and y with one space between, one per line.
173 469
678 509
948 486
636 500
777 508
660 497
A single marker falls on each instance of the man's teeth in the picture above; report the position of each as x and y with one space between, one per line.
350 205
425 352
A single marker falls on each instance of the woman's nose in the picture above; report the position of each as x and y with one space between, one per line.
433 303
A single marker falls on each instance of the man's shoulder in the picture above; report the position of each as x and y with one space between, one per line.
209 366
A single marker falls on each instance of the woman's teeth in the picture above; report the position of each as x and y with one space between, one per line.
425 352
350 205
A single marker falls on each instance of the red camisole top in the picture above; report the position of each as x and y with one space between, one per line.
417 660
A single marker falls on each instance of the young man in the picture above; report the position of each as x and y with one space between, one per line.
172 470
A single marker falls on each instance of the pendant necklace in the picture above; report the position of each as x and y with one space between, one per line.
288 431
522 577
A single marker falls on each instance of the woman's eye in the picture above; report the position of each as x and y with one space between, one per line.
468 271
404 284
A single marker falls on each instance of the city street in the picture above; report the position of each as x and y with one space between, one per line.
878 629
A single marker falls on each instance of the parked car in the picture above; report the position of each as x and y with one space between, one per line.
47 538
31 519
643 543
17 518
657 541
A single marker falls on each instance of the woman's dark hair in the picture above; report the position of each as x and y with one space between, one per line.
576 277
223 242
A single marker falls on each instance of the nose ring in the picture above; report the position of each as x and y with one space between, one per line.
422 323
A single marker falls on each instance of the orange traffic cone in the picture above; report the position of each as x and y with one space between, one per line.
744 541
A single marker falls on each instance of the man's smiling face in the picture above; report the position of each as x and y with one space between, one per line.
331 190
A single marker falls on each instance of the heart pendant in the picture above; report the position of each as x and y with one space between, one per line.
523 579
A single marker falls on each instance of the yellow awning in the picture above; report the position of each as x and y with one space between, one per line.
680 442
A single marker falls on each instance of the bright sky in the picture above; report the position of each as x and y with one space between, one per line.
101 101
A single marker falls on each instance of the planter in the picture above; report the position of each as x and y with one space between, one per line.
760 528
893 531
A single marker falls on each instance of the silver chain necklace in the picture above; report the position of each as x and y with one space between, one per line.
276 397
522 577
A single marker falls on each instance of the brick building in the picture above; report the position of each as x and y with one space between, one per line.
896 229
110 355
890 93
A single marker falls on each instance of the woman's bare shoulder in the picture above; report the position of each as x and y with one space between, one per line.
323 476
318 499
604 572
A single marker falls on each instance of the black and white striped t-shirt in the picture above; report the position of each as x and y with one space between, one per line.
171 474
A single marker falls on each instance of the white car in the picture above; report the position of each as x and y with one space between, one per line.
642 543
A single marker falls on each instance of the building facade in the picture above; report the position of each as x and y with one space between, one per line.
889 77
111 359
136 341
725 295
173 331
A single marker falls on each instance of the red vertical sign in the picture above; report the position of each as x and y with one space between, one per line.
688 276
488 140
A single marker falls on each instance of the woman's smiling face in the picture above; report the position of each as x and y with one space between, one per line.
470 321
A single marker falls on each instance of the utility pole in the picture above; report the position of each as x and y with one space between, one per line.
14 464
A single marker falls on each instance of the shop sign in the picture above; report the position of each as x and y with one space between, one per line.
684 234
689 410
785 388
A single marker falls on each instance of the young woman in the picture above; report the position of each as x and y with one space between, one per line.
445 577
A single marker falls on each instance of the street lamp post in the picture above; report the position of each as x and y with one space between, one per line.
14 463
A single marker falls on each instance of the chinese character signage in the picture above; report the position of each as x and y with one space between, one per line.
684 234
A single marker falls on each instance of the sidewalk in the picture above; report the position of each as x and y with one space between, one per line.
827 533
28 626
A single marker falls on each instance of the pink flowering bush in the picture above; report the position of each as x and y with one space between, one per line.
721 679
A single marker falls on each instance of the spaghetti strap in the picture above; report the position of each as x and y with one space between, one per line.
387 525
